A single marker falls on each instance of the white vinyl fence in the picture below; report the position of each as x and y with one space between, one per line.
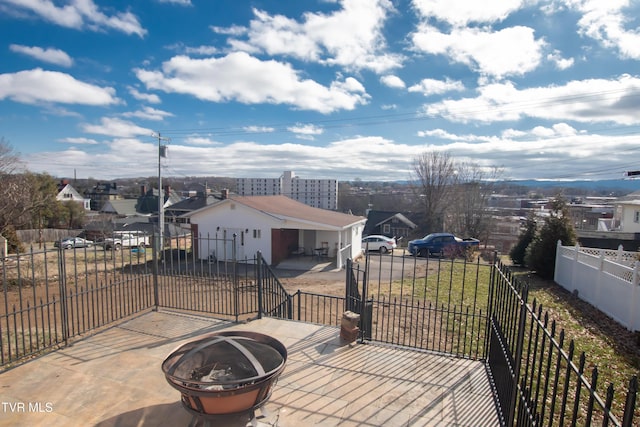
607 279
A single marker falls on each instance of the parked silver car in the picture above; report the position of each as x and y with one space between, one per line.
73 242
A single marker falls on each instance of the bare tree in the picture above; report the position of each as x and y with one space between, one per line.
28 198
468 213
454 196
434 179
9 160
12 183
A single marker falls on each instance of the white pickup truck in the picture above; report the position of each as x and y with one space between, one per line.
126 239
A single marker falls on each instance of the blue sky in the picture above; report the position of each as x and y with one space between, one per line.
329 89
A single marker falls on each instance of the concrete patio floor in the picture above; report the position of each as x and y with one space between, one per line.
114 378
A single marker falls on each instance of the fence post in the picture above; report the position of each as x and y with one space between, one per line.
522 324
490 302
574 267
236 286
62 273
559 266
633 301
600 282
259 280
619 253
630 403
348 282
156 297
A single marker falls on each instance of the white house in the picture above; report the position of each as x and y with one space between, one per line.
277 226
627 216
66 193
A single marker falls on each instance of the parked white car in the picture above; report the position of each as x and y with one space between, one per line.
383 244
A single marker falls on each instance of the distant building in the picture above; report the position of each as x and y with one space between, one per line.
102 193
66 193
147 202
318 193
390 224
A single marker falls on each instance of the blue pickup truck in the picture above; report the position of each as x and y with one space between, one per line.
441 244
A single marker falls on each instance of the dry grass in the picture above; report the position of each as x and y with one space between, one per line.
607 345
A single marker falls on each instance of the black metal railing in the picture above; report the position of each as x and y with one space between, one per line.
51 295
432 304
273 298
203 275
539 378
466 309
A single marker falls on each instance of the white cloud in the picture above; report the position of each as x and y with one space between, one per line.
177 2
587 101
259 129
444 135
437 133
201 50
37 86
553 151
352 157
462 12
81 14
199 140
436 87
561 63
307 129
82 141
246 79
235 30
116 128
306 132
392 81
350 37
512 133
146 97
605 22
50 55
512 51
148 113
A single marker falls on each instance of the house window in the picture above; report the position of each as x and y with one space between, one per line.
636 216
256 234
386 228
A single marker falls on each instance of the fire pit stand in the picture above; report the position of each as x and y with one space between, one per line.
225 375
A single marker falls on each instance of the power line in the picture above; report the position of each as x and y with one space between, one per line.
403 117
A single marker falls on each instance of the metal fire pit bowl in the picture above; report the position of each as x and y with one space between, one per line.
225 372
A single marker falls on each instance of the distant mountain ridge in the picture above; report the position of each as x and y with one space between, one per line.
625 185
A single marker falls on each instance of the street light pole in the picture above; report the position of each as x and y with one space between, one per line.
162 152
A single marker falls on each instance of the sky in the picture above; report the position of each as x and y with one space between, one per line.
341 89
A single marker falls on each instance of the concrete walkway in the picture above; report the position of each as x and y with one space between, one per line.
114 378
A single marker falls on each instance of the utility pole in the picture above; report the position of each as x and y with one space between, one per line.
162 152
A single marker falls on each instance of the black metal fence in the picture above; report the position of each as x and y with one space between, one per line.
474 310
51 295
539 379
434 304
481 311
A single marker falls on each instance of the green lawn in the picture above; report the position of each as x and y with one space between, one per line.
607 345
